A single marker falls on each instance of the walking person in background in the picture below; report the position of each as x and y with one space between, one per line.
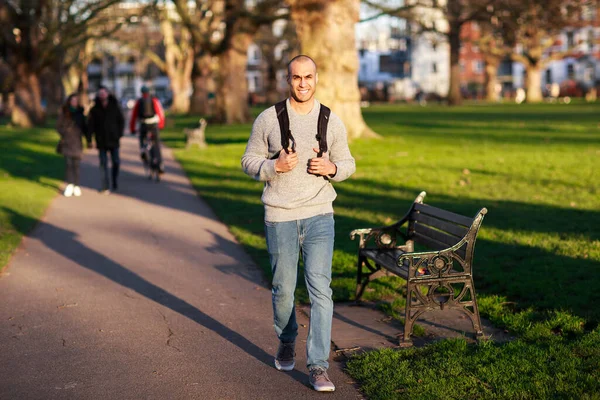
152 118
71 127
106 123
298 198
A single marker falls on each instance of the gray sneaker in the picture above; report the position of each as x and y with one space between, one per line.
284 361
320 381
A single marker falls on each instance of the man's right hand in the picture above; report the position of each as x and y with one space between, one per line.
286 162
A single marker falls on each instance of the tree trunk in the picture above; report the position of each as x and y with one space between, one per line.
27 110
533 83
178 63
84 87
326 33
232 92
201 86
273 94
454 95
180 87
53 89
491 79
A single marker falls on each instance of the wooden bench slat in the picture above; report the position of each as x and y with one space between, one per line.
449 240
387 258
446 226
447 215
434 244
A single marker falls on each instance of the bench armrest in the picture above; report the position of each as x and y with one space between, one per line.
431 264
385 236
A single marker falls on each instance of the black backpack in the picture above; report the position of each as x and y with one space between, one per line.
286 134
147 107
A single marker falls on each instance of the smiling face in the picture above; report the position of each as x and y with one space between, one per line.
302 79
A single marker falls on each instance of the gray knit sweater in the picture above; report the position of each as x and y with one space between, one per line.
296 194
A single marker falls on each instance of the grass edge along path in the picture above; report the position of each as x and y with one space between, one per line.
30 176
532 167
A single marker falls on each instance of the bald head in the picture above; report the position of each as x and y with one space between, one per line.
301 59
302 79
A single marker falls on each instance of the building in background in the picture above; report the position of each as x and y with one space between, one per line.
472 65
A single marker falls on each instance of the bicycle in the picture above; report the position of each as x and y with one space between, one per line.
150 157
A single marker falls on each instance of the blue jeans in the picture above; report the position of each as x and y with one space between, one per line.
114 155
313 237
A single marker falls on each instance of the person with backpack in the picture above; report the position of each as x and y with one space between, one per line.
152 118
298 147
107 123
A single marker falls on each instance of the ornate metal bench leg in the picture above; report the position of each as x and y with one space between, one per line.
476 318
360 285
408 321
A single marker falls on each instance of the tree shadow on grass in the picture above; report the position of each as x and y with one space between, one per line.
19 160
66 243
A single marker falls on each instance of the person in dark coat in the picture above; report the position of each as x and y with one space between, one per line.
71 127
106 123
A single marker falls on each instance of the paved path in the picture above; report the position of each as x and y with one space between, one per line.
142 294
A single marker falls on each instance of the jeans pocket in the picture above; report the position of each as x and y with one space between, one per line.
270 224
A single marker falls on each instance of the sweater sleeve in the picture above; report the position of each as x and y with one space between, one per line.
255 161
339 154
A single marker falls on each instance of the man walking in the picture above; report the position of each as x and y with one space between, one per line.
152 118
106 123
297 148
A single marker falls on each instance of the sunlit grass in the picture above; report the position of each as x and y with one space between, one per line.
30 171
537 260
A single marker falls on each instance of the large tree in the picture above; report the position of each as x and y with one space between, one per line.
35 35
224 29
326 31
176 59
276 49
445 17
535 23
496 43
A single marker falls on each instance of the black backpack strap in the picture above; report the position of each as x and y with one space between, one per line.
324 113
284 126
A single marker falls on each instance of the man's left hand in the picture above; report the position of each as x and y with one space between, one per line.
321 165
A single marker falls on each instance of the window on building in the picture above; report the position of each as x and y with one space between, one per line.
462 66
588 74
434 46
571 71
548 76
434 68
475 49
253 55
478 66
257 83
570 39
402 44
591 39
587 12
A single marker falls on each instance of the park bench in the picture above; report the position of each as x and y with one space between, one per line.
438 275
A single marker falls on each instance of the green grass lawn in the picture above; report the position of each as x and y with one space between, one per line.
30 172
537 261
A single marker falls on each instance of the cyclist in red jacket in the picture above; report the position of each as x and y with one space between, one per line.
152 118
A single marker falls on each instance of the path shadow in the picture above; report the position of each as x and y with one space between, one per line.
66 243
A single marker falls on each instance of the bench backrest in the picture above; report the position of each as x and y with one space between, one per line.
438 229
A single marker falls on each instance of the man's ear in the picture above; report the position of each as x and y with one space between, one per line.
317 77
